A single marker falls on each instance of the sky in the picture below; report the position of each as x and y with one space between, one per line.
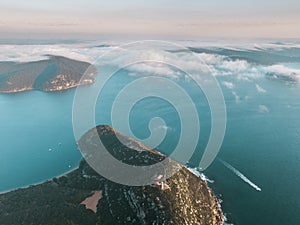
165 18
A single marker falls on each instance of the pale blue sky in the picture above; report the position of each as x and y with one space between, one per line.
186 18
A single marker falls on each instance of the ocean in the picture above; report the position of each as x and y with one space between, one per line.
256 173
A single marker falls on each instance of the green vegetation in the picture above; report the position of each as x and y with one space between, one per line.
188 200
53 74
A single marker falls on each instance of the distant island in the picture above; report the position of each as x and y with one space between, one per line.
56 73
83 197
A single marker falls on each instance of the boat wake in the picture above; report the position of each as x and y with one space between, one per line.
240 175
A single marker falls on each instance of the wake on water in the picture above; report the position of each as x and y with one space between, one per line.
240 175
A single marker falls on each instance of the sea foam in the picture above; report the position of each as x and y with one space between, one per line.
199 174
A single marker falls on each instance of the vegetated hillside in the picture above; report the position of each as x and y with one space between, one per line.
53 74
182 199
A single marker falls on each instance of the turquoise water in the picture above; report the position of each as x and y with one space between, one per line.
37 142
262 141
265 147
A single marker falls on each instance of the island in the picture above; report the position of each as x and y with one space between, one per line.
83 197
56 73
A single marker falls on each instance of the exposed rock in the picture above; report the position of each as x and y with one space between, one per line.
181 199
92 201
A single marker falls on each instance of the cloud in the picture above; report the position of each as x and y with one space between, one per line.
237 98
263 109
146 68
247 97
283 71
260 89
235 65
222 65
225 66
29 53
215 64
157 61
210 58
164 127
229 85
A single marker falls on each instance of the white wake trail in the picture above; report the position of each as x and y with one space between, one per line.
240 175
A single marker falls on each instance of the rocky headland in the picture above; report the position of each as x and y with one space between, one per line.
83 197
56 73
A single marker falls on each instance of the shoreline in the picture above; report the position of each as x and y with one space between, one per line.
92 201
7 92
39 182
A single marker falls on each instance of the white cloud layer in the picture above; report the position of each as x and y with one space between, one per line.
263 109
283 71
229 85
216 64
260 89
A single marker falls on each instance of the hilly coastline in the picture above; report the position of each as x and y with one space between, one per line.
83 197
56 73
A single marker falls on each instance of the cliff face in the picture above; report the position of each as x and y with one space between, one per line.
53 74
182 199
